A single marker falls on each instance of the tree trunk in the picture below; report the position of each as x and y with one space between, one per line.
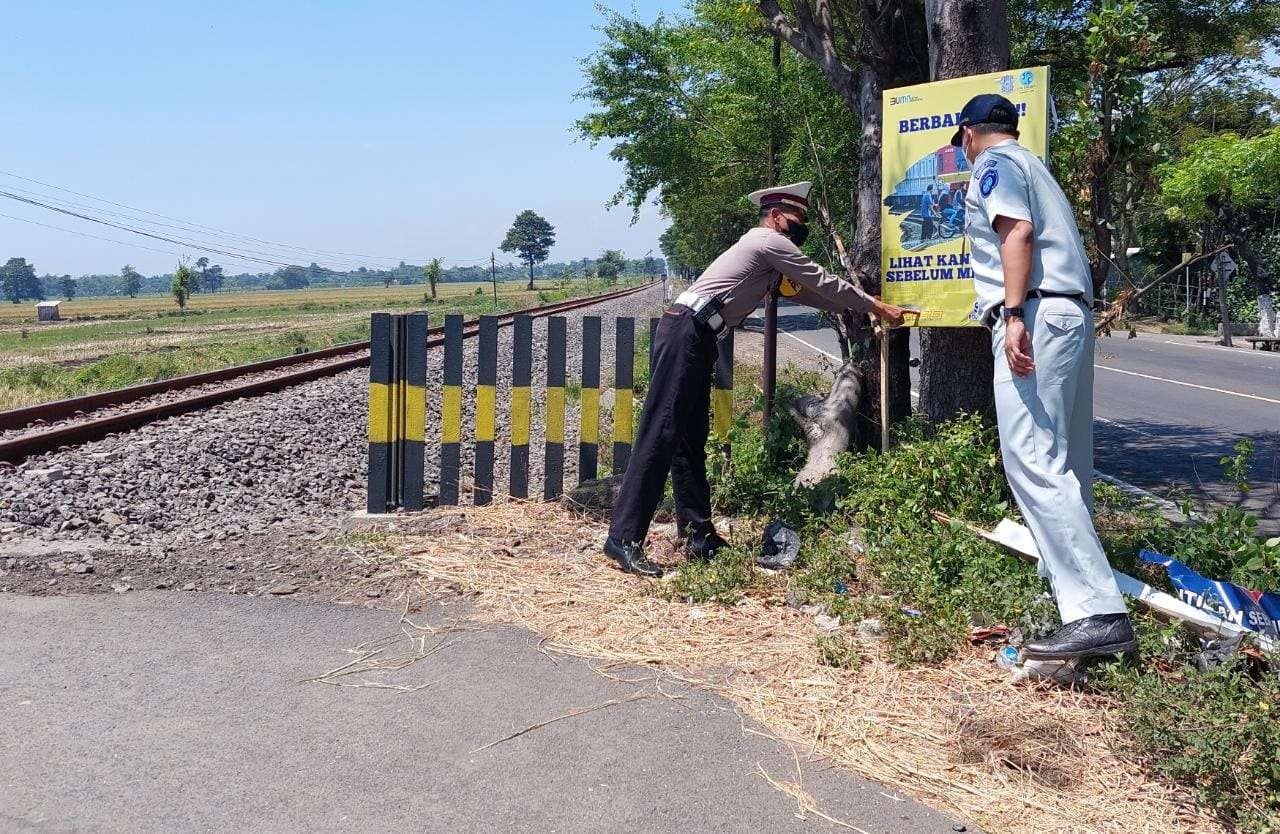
1100 198
850 412
830 424
866 255
530 287
965 37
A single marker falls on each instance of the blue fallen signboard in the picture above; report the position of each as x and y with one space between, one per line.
1253 610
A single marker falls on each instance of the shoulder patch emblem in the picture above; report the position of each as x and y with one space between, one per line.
988 182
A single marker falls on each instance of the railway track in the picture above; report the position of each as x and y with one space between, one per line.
80 426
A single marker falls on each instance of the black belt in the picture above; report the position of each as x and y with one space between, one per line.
1078 296
994 313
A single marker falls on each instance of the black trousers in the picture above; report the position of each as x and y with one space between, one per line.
673 432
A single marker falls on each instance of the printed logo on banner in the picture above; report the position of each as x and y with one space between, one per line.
988 182
1006 84
1027 77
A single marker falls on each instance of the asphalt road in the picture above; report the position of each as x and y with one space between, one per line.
188 712
1166 409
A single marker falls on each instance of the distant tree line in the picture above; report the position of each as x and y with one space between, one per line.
19 281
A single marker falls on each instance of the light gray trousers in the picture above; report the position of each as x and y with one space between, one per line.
1046 438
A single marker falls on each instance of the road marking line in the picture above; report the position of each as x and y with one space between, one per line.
1189 384
1260 354
1123 427
915 395
830 356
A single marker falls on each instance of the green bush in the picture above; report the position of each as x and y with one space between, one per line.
1216 731
723 579
839 652
929 583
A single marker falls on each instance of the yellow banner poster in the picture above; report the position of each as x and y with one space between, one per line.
924 256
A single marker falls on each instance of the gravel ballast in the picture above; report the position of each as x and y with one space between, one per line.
228 497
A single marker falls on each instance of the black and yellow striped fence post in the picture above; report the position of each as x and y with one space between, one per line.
397 411
553 461
486 408
521 379
381 429
451 411
722 390
624 355
589 438
413 460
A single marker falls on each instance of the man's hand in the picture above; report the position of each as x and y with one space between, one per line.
1017 347
888 313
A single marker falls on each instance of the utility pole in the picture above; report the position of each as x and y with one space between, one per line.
1223 266
769 372
493 274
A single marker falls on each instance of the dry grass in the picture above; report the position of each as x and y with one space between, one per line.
958 737
95 307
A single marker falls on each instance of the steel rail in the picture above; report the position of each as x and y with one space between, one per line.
15 449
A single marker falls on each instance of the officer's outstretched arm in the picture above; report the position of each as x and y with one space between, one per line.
818 288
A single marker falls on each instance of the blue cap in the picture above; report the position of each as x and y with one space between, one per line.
988 108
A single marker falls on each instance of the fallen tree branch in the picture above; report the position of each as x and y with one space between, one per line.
1116 308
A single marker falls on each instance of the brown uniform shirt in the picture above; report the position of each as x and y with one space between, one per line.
746 272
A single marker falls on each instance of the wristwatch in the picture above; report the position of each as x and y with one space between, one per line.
1007 313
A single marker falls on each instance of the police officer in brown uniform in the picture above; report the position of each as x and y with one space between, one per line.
675 422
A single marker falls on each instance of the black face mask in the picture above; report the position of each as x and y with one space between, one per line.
798 233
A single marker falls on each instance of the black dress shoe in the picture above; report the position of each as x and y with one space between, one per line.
630 557
1102 634
704 547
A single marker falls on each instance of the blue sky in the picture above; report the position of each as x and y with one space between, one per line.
399 129
396 128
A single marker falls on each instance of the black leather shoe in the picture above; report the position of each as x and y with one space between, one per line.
630 557
704 547
1102 634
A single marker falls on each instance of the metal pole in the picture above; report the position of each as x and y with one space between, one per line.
770 375
493 272
884 390
1188 272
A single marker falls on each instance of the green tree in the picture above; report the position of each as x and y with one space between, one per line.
184 277
130 281
609 265
202 268
67 285
18 281
211 278
532 236
432 273
1230 182
297 278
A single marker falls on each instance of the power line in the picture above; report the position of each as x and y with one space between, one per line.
199 226
99 237
192 226
97 211
143 232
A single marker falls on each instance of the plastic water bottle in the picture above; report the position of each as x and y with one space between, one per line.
1007 658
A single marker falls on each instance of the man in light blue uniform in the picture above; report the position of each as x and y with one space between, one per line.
1034 292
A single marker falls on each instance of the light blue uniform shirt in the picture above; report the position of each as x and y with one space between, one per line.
1009 180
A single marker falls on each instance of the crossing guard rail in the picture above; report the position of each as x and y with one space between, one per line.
398 406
